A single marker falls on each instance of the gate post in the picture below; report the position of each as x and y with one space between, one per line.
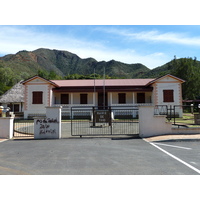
152 125
49 127
6 127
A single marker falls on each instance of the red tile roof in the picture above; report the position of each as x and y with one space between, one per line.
100 82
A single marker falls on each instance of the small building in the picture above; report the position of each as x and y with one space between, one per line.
14 99
40 93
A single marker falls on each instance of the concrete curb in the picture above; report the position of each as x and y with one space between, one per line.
173 137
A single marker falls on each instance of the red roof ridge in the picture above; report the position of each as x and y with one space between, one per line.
100 82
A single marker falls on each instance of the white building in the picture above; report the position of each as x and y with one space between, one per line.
39 93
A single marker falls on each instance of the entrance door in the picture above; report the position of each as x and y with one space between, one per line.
64 98
140 97
102 100
16 107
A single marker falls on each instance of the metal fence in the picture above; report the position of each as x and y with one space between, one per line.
111 121
180 115
23 127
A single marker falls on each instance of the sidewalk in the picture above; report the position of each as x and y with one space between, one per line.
173 137
2 139
150 139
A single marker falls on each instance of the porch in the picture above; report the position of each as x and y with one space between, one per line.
125 100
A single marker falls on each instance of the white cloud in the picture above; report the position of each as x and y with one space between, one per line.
13 39
155 36
126 55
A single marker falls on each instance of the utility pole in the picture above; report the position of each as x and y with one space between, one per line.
94 88
104 91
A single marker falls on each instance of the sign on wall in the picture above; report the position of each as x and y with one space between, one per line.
102 116
46 128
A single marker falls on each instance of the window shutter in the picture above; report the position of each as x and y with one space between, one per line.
168 95
121 98
64 98
83 99
140 97
37 98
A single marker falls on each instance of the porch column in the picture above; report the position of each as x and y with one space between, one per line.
71 104
133 98
94 99
72 98
111 98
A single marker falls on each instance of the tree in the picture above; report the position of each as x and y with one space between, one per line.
188 69
7 79
48 75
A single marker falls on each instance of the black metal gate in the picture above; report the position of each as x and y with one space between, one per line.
23 128
89 121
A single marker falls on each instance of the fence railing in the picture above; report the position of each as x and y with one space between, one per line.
110 121
23 128
180 115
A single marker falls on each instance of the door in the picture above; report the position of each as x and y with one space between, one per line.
64 98
16 107
102 100
140 97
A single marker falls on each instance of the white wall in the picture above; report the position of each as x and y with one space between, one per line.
150 124
36 108
129 97
49 127
168 86
6 127
74 98
167 83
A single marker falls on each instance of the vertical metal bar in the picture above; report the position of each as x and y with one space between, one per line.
94 89
71 122
170 110
104 95
110 119
174 115
14 127
94 117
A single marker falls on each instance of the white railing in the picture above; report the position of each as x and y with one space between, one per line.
73 105
66 109
68 106
133 104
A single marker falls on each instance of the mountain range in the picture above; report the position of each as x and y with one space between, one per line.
64 63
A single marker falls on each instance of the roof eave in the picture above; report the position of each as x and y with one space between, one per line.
179 79
34 77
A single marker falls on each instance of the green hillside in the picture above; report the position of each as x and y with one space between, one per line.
24 64
65 63
55 64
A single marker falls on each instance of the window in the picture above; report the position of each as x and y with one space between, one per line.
168 95
64 98
121 98
83 98
37 97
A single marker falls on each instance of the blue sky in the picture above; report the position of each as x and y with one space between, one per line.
151 45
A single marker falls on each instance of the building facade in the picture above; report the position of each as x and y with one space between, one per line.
40 93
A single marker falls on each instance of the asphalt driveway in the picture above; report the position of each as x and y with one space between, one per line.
94 156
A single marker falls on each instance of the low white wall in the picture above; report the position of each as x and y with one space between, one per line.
6 127
152 125
195 130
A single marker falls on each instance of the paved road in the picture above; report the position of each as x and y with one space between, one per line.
96 156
